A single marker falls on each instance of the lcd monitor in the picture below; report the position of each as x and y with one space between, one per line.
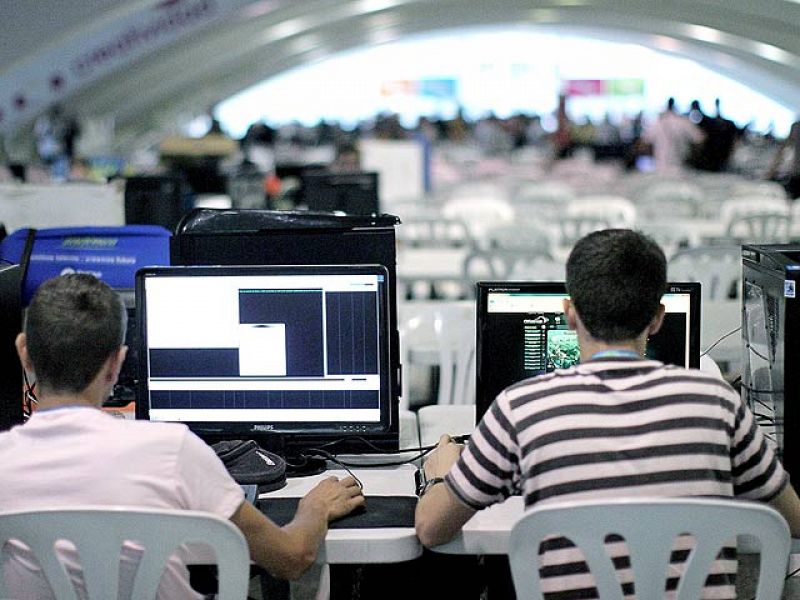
522 332
291 356
351 193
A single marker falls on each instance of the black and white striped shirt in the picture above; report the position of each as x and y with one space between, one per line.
610 428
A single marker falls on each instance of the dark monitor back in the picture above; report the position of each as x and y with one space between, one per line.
522 333
156 200
351 193
10 326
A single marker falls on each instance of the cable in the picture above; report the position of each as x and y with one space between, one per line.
764 404
30 397
757 391
328 456
757 353
730 333
422 452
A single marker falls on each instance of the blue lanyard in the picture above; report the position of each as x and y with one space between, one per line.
615 354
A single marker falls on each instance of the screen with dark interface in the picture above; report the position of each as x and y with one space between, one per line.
522 333
352 193
266 348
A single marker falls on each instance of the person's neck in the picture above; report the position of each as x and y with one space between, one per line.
49 400
591 347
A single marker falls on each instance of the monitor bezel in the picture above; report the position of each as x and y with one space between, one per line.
294 431
559 287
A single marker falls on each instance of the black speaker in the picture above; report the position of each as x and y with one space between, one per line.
10 326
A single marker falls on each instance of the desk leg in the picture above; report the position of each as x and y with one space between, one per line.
430 577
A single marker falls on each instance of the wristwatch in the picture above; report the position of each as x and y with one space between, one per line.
423 483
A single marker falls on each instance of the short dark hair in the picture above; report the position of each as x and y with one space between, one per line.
73 324
616 278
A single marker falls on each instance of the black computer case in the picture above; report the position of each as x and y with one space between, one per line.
10 326
771 342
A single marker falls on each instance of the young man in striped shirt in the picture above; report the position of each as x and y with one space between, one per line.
615 425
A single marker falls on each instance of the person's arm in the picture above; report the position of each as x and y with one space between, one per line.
772 171
788 504
440 515
286 552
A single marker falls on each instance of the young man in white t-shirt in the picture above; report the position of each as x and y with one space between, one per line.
70 453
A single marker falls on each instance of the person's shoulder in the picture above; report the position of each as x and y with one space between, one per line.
697 377
544 383
153 431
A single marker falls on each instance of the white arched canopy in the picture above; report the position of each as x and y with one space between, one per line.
146 61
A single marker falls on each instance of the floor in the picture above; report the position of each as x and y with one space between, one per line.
306 587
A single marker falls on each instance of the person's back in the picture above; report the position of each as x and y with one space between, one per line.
79 456
671 136
616 425
621 426
69 453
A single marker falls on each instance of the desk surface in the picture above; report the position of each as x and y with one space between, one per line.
486 533
349 546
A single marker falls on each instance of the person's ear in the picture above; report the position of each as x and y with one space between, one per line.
115 363
657 321
570 315
21 344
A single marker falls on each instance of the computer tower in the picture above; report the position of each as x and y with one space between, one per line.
156 200
264 237
10 326
771 342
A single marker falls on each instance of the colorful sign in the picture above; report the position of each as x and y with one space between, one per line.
604 87
444 89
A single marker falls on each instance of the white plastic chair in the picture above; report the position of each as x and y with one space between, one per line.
440 335
98 534
752 205
436 420
649 527
479 213
618 211
670 199
767 189
762 228
717 268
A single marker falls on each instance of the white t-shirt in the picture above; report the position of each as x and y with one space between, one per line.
78 456
671 135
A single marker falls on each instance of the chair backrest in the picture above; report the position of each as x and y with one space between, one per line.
98 534
522 235
441 334
762 228
750 205
649 527
770 189
433 231
717 268
505 264
670 199
618 211
574 227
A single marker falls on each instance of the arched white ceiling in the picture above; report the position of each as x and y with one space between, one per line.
246 41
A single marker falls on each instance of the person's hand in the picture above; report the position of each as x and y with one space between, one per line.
335 497
442 458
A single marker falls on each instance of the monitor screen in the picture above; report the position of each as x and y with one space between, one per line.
351 193
522 332
254 351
